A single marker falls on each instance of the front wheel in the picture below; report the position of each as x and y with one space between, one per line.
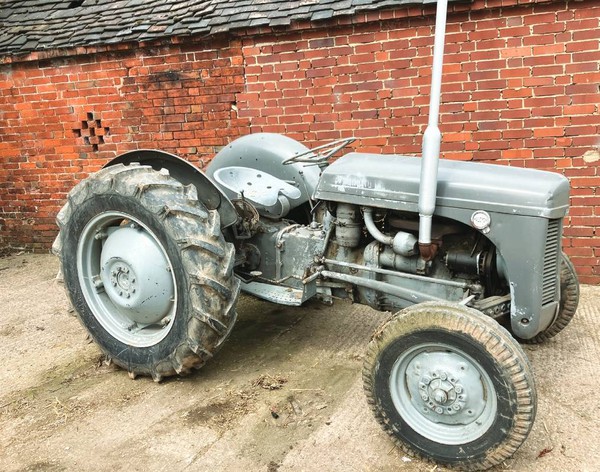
147 269
450 385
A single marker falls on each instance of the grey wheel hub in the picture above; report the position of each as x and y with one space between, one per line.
136 274
127 279
443 394
446 392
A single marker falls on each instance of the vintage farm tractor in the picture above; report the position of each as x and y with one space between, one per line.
154 254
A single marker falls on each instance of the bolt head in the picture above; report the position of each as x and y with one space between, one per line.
439 410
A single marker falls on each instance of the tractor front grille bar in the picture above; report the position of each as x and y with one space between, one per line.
551 262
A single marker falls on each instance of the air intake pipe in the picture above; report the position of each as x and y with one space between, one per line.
401 243
432 140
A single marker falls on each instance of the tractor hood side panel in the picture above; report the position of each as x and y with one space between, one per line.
393 182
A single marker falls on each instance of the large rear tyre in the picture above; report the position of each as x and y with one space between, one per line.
569 300
147 270
450 385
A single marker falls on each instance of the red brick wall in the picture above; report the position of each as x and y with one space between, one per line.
521 87
62 118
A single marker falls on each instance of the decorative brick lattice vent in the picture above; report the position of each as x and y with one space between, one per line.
92 131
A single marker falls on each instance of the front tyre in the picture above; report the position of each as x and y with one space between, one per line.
450 385
147 269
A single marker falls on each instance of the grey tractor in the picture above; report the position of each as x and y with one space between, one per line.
154 254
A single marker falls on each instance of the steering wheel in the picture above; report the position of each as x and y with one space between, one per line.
320 154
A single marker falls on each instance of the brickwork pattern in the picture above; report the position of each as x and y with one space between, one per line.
61 119
521 88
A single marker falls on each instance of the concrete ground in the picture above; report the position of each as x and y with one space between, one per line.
63 408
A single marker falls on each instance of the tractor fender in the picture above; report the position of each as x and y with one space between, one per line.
266 152
208 193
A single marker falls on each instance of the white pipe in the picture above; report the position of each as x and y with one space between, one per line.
432 138
373 230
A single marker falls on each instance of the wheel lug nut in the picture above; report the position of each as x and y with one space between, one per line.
458 389
424 397
439 410
443 376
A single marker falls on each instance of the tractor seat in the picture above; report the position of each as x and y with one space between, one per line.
271 196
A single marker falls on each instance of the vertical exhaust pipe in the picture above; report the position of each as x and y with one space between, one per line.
432 139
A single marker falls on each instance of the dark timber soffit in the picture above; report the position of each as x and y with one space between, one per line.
36 25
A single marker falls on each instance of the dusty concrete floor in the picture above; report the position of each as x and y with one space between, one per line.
62 408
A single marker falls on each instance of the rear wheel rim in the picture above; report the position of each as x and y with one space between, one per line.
127 279
443 394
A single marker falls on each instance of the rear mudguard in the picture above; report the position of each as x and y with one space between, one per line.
208 193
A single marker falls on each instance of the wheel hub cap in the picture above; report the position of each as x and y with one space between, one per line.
442 393
440 396
123 279
136 275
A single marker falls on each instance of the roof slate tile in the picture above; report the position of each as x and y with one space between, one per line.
58 25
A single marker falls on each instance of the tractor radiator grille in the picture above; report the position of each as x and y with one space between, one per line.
551 261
